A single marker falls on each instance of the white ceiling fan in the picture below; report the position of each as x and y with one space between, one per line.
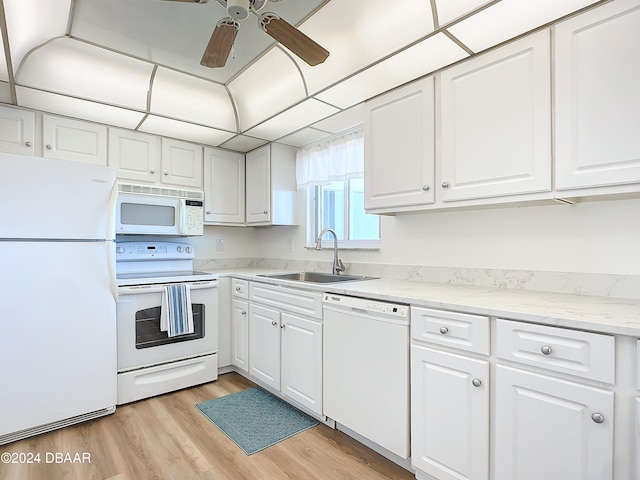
221 42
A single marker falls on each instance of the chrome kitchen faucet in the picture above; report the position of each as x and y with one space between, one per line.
338 266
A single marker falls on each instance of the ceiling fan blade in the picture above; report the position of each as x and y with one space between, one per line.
293 39
222 38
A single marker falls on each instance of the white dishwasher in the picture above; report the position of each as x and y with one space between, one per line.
366 369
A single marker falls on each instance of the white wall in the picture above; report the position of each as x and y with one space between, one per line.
237 242
595 237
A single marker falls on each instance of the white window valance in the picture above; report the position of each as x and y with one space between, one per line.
340 158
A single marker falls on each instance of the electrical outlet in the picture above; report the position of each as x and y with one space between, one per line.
290 245
219 245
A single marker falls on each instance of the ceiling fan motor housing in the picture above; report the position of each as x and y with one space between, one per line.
238 9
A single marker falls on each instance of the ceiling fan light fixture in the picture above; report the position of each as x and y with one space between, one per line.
238 9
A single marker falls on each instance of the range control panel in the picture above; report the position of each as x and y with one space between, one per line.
141 251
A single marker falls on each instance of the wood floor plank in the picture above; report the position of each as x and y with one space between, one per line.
167 437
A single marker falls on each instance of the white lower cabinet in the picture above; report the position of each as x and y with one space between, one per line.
551 428
285 343
240 334
450 415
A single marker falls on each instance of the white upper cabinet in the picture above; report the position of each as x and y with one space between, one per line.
181 163
271 185
134 155
495 123
597 99
399 149
224 174
74 140
17 131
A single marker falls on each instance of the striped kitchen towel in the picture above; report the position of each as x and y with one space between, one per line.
176 317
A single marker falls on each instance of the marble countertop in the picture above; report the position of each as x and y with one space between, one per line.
598 314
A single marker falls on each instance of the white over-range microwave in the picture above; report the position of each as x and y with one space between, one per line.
145 210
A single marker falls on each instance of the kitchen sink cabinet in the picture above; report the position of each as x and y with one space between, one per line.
74 140
597 99
271 185
285 342
495 123
399 152
17 131
449 395
224 177
149 159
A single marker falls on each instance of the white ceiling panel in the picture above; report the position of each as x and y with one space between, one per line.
303 137
85 71
76 108
307 112
175 94
5 93
268 87
358 33
243 143
510 18
182 130
449 11
33 22
429 55
343 120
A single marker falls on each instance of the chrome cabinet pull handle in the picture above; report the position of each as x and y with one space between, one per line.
27 144
444 330
546 350
274 323
445 184
476 382
597 417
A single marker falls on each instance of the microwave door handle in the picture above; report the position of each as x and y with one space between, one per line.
182 214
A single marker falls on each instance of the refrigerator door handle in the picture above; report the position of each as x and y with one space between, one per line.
111 268
111 212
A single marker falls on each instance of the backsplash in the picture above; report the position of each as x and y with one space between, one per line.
618 286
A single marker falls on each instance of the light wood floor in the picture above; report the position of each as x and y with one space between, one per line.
166 437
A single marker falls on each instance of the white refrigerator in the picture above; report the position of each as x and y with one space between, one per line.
57 294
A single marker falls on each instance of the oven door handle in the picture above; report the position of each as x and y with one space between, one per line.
159 288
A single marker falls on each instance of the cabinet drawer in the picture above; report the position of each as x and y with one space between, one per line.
301 302
451 329
587 355
240 288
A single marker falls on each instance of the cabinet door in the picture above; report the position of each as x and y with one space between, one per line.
66 139
399 148
597 97
17 131
302 361
181 163
264 345
223 187
449 415
134 155
496 123
551 428
258 185
240 335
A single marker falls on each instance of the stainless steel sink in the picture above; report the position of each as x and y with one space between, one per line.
314 277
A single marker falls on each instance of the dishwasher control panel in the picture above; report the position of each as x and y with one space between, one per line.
367 305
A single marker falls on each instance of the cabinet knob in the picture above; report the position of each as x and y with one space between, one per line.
27 144
166 174
264 212
48 147
244 313
208 212
425 188
152 172
238 289
476 382
282 326
546 350
597 417
444 330
445 184
274 323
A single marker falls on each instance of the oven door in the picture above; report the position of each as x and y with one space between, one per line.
140 341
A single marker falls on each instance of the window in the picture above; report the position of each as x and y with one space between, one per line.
332 172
